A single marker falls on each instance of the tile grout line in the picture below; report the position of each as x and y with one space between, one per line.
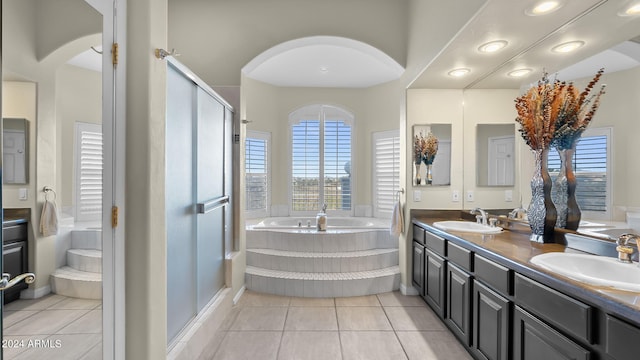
395 333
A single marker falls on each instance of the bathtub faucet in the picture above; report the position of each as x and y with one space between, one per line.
324 208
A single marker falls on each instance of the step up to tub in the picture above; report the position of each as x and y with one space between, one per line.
85 260
70 282
86 239
312 284
321 262
313 241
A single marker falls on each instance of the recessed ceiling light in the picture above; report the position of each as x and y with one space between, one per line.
543 8
459 72
568 46
519 72
632 10
324 69
492 46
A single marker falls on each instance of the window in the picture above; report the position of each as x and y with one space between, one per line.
88 206
386 172
591 167
320 159
257 165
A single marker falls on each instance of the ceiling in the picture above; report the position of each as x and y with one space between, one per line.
610 40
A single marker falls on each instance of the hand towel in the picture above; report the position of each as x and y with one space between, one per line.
397 220
49 218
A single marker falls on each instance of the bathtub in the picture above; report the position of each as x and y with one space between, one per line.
301 223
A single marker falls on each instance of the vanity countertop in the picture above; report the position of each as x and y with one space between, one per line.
513 248
15 216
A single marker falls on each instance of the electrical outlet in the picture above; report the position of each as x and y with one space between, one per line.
508 195
417 195
470 196
455 196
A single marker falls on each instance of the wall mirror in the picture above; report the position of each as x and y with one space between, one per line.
15 155
495 152
431 155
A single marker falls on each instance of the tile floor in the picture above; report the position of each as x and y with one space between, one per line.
387 326
53 327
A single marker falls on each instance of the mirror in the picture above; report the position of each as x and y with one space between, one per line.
431 154
15 155
495 151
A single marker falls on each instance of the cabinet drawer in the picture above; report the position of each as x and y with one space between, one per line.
460 256
622 339
496 275
418 234
14 233
435 243
570 315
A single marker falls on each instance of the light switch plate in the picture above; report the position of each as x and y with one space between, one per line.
455 196
508 195
417 195
470 196
22 194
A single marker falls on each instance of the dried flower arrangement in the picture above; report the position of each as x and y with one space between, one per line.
424 148
430 148
576 113
554 113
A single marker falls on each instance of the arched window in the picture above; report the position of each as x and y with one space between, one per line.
320 169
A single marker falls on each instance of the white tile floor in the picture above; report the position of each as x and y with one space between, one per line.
53 327
387 326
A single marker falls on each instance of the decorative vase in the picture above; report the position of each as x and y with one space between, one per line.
541 213
428 176
418 179
564 192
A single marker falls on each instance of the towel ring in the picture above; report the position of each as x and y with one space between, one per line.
48 190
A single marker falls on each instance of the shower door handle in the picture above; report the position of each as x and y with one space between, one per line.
208 206
5 283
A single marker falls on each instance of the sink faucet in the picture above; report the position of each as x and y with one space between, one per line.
624 249
483 215
517 213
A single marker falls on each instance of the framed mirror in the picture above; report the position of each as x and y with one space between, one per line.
15 151
495 151
431 155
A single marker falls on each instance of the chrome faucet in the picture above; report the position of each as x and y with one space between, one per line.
624 249
324 208
482 217
517 213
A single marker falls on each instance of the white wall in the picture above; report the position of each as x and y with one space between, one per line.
78 99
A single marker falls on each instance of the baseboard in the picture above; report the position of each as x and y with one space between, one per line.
35 293
236 298
408 290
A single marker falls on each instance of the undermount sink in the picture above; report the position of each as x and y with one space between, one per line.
592 269
466 226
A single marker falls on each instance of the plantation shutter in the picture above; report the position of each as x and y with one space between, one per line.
337 165
306 165
88 172
256 173
386 171
590 168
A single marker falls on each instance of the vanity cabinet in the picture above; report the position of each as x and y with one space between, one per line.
14 257
434 281
533 339
458 303
418 267
490 323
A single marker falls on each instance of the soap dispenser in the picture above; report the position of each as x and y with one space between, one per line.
321 219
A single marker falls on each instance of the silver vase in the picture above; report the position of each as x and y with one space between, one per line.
541 213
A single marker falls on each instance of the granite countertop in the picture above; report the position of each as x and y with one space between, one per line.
15 216
513 248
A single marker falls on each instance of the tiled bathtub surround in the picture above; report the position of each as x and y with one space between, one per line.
335 263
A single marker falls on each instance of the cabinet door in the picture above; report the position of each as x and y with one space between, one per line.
533 339
14 262
458 302
418 267
490 324
434 281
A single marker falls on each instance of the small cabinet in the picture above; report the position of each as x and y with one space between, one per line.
458 300
14 257
418 267
491 321
434 281
533 340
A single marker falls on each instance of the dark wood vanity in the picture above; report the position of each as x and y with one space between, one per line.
15 249
500 306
